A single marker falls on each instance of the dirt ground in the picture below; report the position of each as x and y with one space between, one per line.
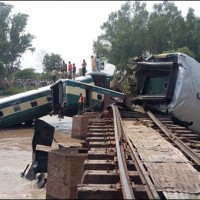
16 153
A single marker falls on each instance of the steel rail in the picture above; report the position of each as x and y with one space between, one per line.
127 189
177 141
150 188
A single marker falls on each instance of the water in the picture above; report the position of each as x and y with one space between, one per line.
16 153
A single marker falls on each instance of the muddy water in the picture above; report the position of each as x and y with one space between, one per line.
16 153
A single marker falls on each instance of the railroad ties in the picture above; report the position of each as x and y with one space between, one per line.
100 179
161 159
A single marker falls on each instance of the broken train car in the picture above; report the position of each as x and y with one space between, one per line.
170 84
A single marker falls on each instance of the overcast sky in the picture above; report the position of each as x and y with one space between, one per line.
68 28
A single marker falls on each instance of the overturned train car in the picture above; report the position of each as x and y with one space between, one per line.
170 84
96 87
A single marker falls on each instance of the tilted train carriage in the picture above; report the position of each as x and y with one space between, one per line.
170 84
95 87
24 107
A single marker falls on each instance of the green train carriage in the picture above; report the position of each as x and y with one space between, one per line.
24 107
66 102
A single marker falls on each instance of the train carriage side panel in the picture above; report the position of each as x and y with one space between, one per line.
91 98
24 107
186 102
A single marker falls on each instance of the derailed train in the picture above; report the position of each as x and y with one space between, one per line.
33 104
170 84
25 106
96 88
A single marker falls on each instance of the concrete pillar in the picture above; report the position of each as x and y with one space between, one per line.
65 169
80 124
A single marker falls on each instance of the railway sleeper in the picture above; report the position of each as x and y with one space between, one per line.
108 177
106 165
100 134
107 191
98 191
180 128
104 144
92 139
100 120
189 135
99 126
101 154
166 122
102 129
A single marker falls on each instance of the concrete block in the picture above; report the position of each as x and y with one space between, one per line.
80 124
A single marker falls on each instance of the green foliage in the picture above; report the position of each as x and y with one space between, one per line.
51 61
184 50
45 75
13 39
132 31
17 90
25 73
2 70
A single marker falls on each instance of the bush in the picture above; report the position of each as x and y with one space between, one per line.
16 90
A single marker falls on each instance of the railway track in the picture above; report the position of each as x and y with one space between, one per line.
135 155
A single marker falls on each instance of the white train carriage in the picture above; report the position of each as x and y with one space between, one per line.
170 83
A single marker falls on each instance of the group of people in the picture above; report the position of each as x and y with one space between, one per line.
98 62
69 70
22 83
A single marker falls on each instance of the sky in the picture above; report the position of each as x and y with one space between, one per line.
68 28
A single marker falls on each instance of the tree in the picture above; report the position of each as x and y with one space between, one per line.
13 39
165 26
184 50
51 61
25 73
132 31
120 40
2 70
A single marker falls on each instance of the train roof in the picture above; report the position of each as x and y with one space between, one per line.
109 70
170 57
84 79
95 88
25 94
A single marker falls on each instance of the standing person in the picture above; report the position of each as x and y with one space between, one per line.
102 59
74 72
81 104
98 62
64 74
64 66
70 70
54 73
94 63
84 64
64 70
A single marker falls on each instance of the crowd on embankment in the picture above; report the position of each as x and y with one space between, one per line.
23 83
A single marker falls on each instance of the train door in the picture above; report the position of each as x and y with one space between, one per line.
101 80
88 92
57 94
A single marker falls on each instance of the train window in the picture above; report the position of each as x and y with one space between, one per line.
33 103
49 98
16 107
155 85
99 96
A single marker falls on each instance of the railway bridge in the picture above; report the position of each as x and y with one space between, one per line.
138 155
